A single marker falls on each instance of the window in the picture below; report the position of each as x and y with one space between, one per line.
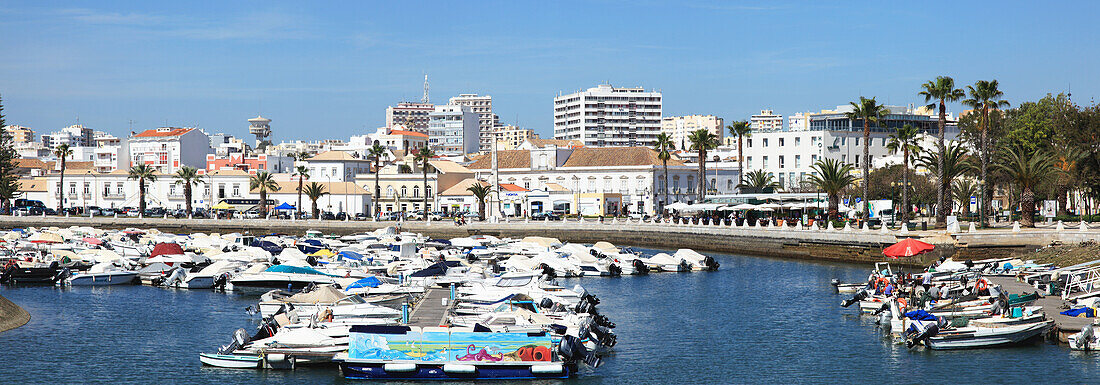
236 189
781 162
857 160
404 192
780 142
172 189
691 185
416 192
87 188
428 192
797 140
765 162
857 141
106 189
729 184
748 142
797 161
748 162
883 142
765 142
623 187
591 185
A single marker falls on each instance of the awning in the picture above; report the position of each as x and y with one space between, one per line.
703 207
677 206
284 206
222 206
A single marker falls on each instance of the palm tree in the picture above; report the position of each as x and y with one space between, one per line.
759 181
832 176
302 172
301 156
142 173
956 163
187 176
423 156
663 145
984 97
906 140
62 152
265 182
741 130
1028 170
963 189
869 111
939 92
315 191
701 141
480 191
1068 159
376 153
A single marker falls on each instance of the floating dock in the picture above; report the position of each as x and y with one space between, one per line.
433 308
1052 305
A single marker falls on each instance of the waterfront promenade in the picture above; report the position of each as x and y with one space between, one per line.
850 245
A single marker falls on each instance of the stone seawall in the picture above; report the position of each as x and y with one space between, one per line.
11 315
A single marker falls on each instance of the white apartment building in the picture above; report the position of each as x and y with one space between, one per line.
605 116
511 137
453 130
167 149
681 127
799 121
766 120
75 136
487 120
413 115
336 166
790 155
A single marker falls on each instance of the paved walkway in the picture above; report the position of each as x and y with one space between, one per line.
431 311
1052 305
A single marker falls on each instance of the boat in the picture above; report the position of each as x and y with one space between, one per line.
234 361
324 297
1087 339
978 337
102 274
15 274
283 277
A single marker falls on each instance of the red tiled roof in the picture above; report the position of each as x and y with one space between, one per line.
157 133
409 133
511 187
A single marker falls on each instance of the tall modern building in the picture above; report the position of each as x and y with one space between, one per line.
453 130
413 115
606 116
75 136
20 134
681 127
487 120
766 120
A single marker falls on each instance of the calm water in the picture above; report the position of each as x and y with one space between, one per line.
756 320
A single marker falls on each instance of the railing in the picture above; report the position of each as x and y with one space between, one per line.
1085 281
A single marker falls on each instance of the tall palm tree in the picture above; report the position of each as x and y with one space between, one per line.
301 156
315 191
984 97
480 191
832 176
937 93
62 152
905 139
423 156
758 181
1068 159
741 130
869 111
265 182
956 163
963 189
376 153
1029 170
302 172
187 176
663 145
701 141
142 173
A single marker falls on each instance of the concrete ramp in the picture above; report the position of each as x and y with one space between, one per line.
11 315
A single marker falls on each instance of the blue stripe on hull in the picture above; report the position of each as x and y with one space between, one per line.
435 372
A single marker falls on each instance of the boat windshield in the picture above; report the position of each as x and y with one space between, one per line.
514 281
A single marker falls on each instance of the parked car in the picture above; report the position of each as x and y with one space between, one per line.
390 216
361 217
327 215
546 216
341 216
155 212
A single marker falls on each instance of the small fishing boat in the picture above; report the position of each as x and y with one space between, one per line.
234 361
978 337
1086 339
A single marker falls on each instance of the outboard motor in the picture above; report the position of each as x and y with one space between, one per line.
859 296
548 271
240 338
1082 341
63 275
684 266
640 268
710 263
836 284
920 331
220 281
471 258
614 270
546 303
571 349
311 260
602 320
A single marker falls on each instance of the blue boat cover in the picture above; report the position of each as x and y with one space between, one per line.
271 247
351 255
920 315
1080 312
365 282
314 242
295 270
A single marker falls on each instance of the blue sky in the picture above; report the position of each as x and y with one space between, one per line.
329 71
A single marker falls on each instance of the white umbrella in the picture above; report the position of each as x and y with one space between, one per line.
744 206
771 206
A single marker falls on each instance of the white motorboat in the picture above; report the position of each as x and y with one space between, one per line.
232 361
976 337
102 274
341 305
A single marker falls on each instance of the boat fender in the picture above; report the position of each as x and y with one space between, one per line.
547 369
459 369
399 368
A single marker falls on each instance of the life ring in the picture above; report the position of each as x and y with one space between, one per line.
981 285
903 302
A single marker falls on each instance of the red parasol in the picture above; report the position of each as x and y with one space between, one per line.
166 249
907 248
93 241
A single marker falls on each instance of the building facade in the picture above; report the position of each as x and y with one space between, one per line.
453 130
413 115
75 136
511 137
487 120
167 149
20 134
681 127
766 120
606 116
402 184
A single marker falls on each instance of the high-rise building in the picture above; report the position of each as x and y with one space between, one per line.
766 120
20 134
75 136
413 115
605 116
681 127
453 130
487 120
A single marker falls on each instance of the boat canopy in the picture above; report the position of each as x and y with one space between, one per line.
348 254
270 246
166 249
365 283
322 294
295 270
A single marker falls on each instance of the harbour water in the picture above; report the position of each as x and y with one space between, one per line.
756 320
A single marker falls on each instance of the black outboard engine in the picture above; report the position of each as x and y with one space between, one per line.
859 296
640 268
546 303
571 349
311 260
548 271
220 281
916 334
710 263
684 266
240 338
471 258
63 275
602 320
614 270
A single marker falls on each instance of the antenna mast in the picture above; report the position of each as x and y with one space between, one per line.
425 99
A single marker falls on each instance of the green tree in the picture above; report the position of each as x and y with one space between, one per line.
963 189
701 141
315 191
187 176
907 140
831 177
375 153
264 182
937 93
741 130
759 181
480 191
302 172
62 152
868 111
142 173
663 145
424 156
956 163
9 178
1028 170
985 96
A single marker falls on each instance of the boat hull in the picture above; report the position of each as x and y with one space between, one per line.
230 361
376 370
102 279
1004 337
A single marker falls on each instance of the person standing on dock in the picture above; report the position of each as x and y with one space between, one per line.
926 280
